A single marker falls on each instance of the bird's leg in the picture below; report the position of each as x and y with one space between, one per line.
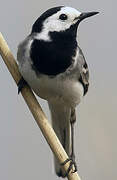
72 122
21 84
72 156
72 141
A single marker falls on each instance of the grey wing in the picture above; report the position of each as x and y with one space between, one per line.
84 72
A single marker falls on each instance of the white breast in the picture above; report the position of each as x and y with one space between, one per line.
58 88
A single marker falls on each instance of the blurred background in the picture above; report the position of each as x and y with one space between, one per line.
24 153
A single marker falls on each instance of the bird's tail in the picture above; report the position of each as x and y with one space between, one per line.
61 124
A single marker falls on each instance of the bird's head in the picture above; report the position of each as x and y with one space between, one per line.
60 19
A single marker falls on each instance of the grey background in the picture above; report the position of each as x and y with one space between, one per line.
24 153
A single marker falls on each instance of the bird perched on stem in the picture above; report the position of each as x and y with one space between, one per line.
52 63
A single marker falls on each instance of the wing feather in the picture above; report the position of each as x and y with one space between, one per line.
84 72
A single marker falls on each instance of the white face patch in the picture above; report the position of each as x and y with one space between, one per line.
53 23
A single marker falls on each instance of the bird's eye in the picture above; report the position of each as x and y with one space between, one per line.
63 17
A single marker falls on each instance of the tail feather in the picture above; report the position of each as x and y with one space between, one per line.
60 116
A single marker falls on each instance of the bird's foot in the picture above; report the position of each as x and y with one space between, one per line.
21 84
72 165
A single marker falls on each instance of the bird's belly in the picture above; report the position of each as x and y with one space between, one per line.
66 91
61 90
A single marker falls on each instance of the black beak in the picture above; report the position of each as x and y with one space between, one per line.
86 15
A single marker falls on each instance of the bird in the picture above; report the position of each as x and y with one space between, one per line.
53 65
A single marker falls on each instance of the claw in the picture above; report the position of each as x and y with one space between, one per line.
72 162
21 84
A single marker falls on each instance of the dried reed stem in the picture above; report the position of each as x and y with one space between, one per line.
36 109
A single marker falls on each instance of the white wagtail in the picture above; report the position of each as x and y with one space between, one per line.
52 63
